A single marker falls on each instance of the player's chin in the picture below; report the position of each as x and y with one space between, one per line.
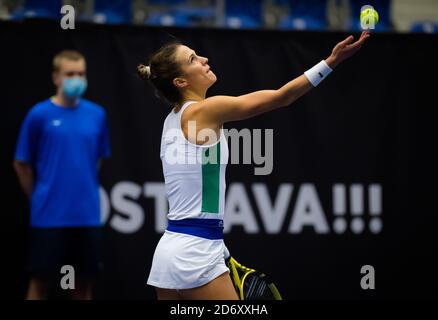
212 78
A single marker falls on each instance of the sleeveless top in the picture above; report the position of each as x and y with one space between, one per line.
194 174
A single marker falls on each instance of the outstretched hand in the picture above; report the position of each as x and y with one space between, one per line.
346 49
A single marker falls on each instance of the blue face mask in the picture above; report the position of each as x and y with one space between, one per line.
74 87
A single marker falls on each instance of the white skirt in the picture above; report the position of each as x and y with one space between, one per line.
183 261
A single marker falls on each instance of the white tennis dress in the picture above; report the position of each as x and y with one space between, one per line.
191 251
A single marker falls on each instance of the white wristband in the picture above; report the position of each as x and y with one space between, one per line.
318 73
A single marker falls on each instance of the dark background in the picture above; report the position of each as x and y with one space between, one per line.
359 126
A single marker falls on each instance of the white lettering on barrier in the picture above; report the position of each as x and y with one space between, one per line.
122 211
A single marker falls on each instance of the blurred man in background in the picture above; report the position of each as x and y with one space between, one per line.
59 148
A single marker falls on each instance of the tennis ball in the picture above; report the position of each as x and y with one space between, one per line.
368 17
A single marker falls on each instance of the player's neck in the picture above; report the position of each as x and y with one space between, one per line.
61 100
192 95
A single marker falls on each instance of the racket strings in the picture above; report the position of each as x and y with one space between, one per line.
256 288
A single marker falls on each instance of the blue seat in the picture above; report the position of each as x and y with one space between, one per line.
304 15
302 23
112 11
179 13
182 17
242 21
38 9
166 2
167 19
243 14
425 27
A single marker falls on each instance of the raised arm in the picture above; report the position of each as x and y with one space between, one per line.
220 109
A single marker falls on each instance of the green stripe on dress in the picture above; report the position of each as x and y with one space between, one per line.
211 179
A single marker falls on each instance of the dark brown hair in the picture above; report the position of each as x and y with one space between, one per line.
161 70
72 55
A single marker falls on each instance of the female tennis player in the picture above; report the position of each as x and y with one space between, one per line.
188 262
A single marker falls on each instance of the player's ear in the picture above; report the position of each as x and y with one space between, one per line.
180 82
56 78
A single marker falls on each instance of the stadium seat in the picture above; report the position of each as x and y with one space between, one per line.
174 13
38 9
112 11
425 27
243 14
304 15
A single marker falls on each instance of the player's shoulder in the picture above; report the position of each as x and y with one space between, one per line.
40 109
93 107
192 109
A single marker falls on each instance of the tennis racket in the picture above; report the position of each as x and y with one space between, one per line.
251 284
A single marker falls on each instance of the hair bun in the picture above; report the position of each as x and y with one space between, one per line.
144 71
